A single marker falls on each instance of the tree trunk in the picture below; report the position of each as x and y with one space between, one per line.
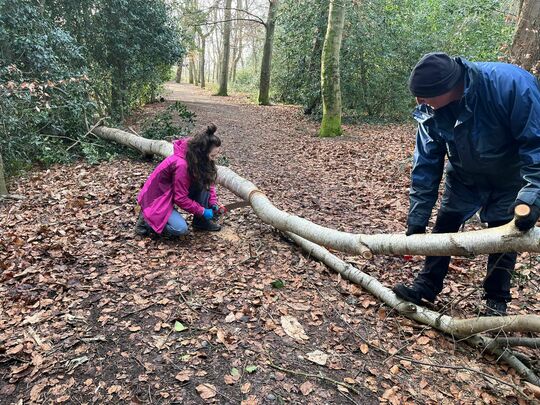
266 64
300 230
202 61
502 239
178 78
224 76
3 188
315 63
191 71
330 84
526 44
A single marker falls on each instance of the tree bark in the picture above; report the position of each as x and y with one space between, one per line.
506 238
191 70
178 78
330 77
300 230
466 329
3 187
224 76
526 45
315 63
266 64
202 61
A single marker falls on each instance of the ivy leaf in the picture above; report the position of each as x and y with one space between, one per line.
235 372
179 326
279 283
251 369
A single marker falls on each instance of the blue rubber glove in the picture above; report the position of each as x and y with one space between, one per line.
208 213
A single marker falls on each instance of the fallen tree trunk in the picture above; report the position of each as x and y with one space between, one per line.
464 329
309 236
506 238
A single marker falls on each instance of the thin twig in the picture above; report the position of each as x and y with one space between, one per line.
319 376
465 368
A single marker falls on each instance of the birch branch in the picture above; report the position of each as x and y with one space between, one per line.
506 238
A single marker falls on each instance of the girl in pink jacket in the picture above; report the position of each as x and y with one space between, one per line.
185 179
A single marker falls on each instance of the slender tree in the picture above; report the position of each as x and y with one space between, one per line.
330 78
178 78
3 188
526 44
264 84
223 78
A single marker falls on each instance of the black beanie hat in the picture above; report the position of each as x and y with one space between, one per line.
435 74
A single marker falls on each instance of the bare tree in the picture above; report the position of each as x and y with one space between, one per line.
330 77
526 44
223 79
264 84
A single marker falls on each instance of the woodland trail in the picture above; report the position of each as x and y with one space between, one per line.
89 310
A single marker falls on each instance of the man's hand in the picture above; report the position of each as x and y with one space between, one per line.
526 222
415 229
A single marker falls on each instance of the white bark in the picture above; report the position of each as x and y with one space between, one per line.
466 329
493 240
466 243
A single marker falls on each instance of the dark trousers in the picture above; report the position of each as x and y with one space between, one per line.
500 266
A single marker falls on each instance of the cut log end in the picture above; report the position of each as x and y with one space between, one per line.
367 255
521 211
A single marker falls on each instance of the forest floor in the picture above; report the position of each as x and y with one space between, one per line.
92 313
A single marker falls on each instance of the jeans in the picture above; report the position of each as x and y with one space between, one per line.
176 224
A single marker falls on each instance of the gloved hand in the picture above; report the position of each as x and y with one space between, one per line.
208 213
414 229
219 209
526 223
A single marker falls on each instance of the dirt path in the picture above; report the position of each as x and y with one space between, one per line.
89 310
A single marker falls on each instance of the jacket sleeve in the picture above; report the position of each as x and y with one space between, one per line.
428 166
525 124
181 190
213 200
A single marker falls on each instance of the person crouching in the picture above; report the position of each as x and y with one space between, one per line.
185 179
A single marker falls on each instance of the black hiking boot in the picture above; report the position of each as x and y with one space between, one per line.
201 224
412 294
141 227
494 308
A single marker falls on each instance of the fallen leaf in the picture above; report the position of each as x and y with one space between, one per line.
306 388
317 357
229 379
293 328
179 327
184 375
134 328
206 391
251 400
230 318
251 368
423 340
395 369
245 388
364 348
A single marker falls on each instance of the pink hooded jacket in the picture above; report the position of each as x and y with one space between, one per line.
169 184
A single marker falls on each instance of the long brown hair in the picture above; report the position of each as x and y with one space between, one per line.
202 170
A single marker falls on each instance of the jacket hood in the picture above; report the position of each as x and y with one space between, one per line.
180 147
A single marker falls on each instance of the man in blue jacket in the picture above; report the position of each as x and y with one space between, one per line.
486 118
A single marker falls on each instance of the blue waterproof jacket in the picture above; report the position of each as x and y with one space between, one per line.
495 140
